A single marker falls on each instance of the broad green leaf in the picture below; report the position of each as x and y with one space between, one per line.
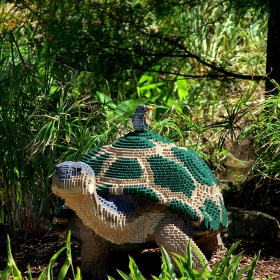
144 78
170 101
134 271
156 68
151 86
124 276
183 89
154 98
106 100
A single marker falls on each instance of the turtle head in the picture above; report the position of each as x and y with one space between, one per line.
142 109
73 179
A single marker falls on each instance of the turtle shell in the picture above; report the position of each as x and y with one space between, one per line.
146 164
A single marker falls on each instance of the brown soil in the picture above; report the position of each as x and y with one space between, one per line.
269 262
38 253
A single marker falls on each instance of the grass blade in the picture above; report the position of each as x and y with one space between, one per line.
46 272
253 266
78 274
11 263
68 261
134 271
123 275
167 267
29 276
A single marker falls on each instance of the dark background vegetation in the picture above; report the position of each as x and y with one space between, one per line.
72 73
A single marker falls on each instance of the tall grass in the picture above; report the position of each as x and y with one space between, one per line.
45 117
226 268
49 113
261 190
47 273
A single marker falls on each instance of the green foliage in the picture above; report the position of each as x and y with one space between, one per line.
187 267
118 42
265 133
167 268
225 269
42 118
135 274
11 265
47 114
72 73
46 274
260 191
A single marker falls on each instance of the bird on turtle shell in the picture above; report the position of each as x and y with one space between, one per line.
140 119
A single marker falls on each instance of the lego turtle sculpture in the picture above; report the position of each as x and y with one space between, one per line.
138 190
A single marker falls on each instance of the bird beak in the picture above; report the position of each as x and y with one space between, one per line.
150 108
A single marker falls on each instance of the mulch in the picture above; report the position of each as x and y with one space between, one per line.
38 252
269 261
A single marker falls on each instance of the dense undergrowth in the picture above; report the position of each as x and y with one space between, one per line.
260 190
62 94
227 268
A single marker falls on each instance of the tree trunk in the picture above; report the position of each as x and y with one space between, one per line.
273 47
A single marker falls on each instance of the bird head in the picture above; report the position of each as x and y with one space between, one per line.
142 108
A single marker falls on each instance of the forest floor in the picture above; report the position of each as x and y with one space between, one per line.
39 252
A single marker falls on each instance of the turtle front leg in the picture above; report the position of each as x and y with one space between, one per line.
94 253
170 234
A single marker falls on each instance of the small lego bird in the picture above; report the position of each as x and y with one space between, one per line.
140 120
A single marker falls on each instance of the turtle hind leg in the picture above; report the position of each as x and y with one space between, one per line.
210 243
169 234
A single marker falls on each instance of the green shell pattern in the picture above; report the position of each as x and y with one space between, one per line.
146 164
